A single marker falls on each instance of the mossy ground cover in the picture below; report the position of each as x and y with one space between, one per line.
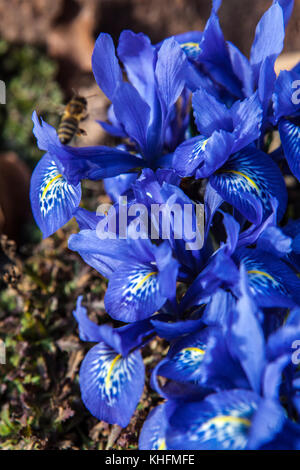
40 404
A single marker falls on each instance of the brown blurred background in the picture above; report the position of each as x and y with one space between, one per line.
61 34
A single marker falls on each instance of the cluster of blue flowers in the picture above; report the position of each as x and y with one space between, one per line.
196 118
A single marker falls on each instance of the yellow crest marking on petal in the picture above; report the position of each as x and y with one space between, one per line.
228 419
162 445
261 273
112 365
191 44
49 184
198 350
139 284
252 183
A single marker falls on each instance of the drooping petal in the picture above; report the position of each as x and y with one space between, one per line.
203 155
251 173
111 385
272 282
133 293
183 362
202 358
102 256
105 65
122 340
143 282
219 422
53 199
289 130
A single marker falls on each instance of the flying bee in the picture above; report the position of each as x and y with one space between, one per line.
74 112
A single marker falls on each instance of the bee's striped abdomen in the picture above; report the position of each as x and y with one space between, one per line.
67 129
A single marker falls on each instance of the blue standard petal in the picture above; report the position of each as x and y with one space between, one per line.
105 65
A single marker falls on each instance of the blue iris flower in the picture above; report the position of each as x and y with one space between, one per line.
272 281
112 373
142 276
228 67
240 173
247 416
143 110
55 190
229 307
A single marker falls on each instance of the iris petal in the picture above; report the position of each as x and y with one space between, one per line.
272 282
53 199
289 130
251 173
111 385
133 293
152 435
220 422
